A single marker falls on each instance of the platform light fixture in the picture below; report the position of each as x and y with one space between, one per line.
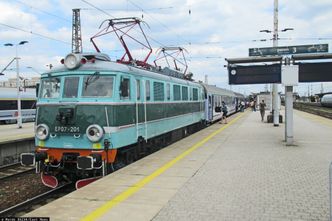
275 39
32 68
19 112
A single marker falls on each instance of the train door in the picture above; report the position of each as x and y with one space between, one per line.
210 107
236 104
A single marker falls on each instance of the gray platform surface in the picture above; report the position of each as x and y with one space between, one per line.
245 172
254 176
10 132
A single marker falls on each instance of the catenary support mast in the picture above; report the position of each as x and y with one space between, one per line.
76 32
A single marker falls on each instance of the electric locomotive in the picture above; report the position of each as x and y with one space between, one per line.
94 114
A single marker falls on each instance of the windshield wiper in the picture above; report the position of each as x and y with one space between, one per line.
92 78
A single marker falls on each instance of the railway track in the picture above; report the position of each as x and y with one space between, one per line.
314 108
12 170
39 200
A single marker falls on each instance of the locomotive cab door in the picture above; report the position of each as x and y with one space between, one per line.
140 110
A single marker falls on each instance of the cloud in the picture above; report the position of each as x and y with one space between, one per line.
212 31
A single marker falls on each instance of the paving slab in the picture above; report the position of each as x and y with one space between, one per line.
245 172
253 175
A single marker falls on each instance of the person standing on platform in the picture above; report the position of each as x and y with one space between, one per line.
262 107
224 112
252 105
242 106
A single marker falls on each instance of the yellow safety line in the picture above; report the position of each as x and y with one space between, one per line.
137 186
316 118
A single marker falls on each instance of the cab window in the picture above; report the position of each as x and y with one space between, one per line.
71 87
50 88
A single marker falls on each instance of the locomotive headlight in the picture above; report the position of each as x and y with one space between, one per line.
94 132
72 61
42 131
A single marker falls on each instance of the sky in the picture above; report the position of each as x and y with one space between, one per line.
210 31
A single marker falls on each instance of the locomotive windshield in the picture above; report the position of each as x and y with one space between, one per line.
50 88
71 87
101 86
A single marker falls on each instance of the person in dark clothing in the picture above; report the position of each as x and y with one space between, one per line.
242 106
262 107
224 112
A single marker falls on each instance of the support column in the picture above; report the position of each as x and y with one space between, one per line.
289 115
275 99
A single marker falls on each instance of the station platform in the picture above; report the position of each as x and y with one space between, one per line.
237 171
10 132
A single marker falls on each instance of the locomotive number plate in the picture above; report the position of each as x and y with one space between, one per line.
64 129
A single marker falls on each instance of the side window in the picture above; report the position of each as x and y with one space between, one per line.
158 90
147 90
176 92
190 94
71 87
138 89
195 94
125 88
184 93
168 91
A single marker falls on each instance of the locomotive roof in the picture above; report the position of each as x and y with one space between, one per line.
108 65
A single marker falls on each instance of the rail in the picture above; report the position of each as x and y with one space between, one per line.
24 206
12 170
314 108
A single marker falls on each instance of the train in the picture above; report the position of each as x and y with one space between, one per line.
8 105
326 100
95 115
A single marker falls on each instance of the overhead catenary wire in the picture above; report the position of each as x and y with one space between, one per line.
106 13
257 40
43 11
34 33
155 19
133 10
99 9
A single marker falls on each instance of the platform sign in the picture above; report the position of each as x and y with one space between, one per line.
254 74
288 50
315 72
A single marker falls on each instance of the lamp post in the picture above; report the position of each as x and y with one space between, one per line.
19 112
275 88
